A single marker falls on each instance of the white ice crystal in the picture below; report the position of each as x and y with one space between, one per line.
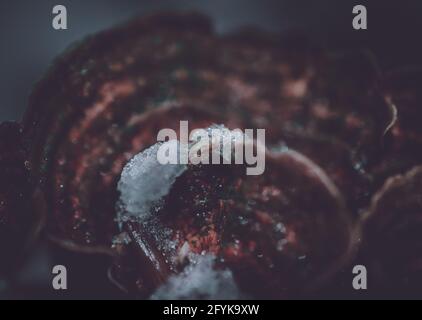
144 182
199 280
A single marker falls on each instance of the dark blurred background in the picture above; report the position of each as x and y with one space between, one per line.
29 43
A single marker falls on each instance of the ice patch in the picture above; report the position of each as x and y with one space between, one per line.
144 182
199 280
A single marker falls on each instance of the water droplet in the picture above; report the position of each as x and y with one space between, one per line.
27 165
